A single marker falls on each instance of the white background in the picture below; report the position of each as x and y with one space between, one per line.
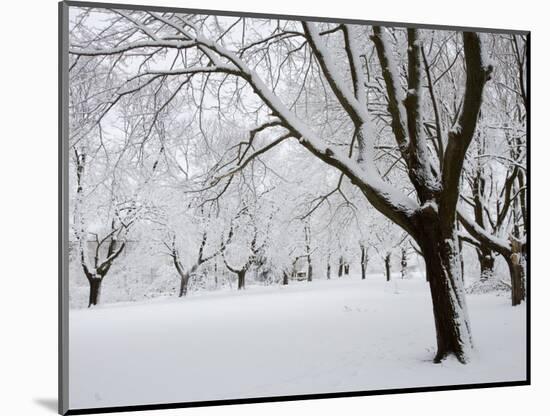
28 205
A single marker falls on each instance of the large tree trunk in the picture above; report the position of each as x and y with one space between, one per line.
328 269
452 324
285 278
95 291
241 279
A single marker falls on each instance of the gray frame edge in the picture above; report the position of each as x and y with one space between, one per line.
63 205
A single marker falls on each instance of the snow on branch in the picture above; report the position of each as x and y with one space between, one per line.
477 74
354 107
498 244
356 68
253 156
170 44
393 88
387 199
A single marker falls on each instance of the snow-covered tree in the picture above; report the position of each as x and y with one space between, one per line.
390 113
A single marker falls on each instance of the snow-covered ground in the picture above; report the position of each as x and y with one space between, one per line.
324 336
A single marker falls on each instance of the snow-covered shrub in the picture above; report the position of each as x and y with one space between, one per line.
488 286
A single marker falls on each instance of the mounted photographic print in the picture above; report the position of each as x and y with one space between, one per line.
264 207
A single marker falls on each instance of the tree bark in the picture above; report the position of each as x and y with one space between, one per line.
328 269
307 232
241 279
442 257
341 266
387 262
517 283
516 264
285 278
461 251
95 291
364 260
403 263
486 262
184 281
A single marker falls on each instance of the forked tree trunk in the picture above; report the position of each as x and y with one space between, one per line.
452 324
241 279
346 269
95 291
185 276
387 262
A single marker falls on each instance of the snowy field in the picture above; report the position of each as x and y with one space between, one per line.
324 336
